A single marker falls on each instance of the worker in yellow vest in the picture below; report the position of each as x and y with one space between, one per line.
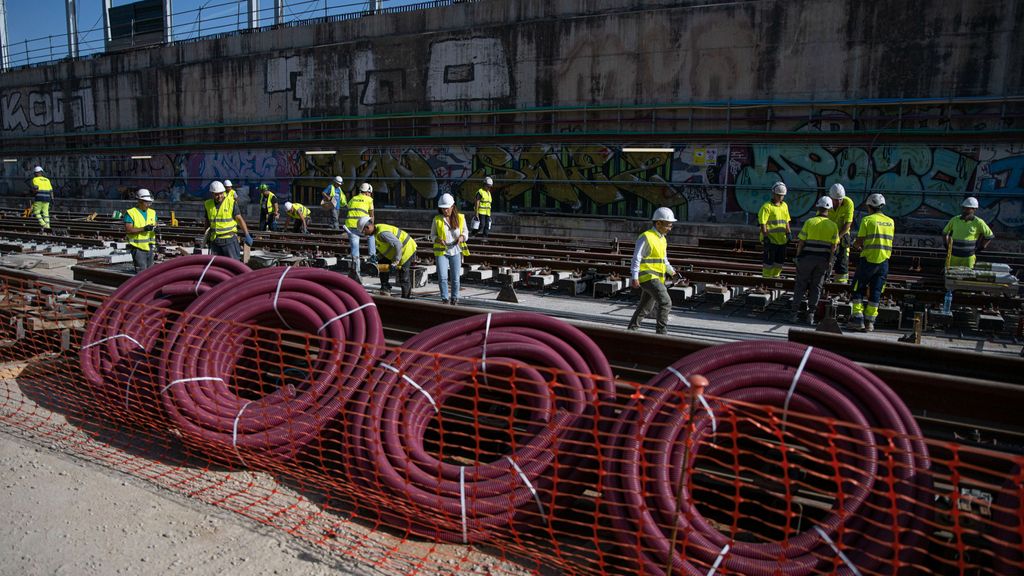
842 215
818 239
333 199
874 240
230 191
41 186
483 207
649 268
396 249
269 208
968 235
140 227
361 205
299 215
224 219
773 219
448 232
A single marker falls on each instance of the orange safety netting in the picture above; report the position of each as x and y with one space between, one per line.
501 442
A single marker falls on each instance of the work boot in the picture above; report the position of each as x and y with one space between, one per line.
869 326
809 319
856 324
795 318
455 301
444 301
372 260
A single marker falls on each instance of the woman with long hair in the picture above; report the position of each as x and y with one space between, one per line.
448 232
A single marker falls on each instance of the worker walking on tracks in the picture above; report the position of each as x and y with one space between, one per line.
40 185
140 228
224 220
818 240
842 215
874 240
773 218
230 191
483 207
968 235
396 250
333 198
448 233
649 268
299 215
269 208
360 206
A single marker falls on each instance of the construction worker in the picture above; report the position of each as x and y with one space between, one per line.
818 240
842 215
269 208
649 268
224 220
299 215
773 218
874 240
483 207
361 205
396 249
140 226
231 193
43 189
332 201
968 235
448 232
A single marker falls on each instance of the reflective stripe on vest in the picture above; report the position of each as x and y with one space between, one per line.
299 211
653 266
357 208
270 202
877 233
221 218
485 202
44 188
819 234
142 240
964 248
441 235
387 250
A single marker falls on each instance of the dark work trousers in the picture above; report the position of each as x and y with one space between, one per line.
485 226
226 247
404 277
810 271
141 259
842 265
652 294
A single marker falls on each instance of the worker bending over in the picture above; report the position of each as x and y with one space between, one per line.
396 249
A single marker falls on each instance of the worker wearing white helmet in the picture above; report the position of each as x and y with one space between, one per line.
140 228
773 220
230 191
395 249
42 188
648 270
360 206
818 239
299 215
874 240
966 235
333 200
224 220
448 232
842 214
482 208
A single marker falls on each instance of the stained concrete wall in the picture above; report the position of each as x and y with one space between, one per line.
495 54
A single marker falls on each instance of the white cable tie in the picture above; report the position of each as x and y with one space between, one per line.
234 433
198 379
340 316
278 293
536 497
483 355
102 340
203 275
128 384
792 386
842 556
701 399
718 561
462 502
413 383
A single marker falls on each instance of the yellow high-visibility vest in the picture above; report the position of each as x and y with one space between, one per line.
222 220
877 230
485 202
652 267
142 240
388 251
441 233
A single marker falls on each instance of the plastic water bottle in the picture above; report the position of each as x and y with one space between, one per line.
947 302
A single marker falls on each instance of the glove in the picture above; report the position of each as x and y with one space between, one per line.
248 239
844 240
148 227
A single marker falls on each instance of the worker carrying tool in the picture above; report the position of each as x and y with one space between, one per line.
224 220
818 240
648 271
395 248
140 228
360 206
448 232
41 186
966 235
332 199
483 208
269 208
874 240
842 215
773 219
299 215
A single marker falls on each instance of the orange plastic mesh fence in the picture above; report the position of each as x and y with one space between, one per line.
425 462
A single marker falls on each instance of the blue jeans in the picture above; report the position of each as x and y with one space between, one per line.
444 265
869 281
353 243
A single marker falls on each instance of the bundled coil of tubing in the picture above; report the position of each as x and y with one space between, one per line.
124 338
884 478
231 416
549 375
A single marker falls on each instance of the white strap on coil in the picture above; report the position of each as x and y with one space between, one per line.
412 383
128 384
278 293
183 380
842 556
340 316
462 503
701 399
102 340
792 385
234 432
536 497
203 275
718 561
483 354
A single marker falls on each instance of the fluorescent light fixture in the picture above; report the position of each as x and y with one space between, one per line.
10 160
320 152
141 157
666 150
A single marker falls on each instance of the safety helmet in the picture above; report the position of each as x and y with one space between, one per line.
216 187
970 202
287 206
264 187
779 188
825 202
663 215
837 192
446 201
488 181
361 223
876 201
338 180
37 169
144 195
365 188
228 184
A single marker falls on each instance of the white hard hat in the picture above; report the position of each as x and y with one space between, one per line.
287 206
876 200
216 187
365 187
779 188
361 223
144 194
970 202
228 184
488 181
338 180
663 215
37 169
446 201
824 202
837 192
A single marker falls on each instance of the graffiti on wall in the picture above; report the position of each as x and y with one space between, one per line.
20 111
